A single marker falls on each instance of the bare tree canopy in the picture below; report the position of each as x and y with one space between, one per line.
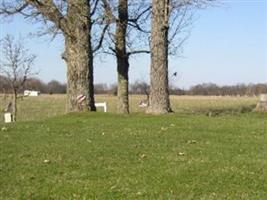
16 62
118 27
16 66
169 19
125 31
74 20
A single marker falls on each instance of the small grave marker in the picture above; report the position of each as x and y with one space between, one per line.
263 97
262 105
8 117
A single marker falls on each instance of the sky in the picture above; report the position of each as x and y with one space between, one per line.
227 45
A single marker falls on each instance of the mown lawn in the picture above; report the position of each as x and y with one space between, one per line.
109 156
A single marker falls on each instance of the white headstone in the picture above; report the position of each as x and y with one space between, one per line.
263 97
8 117
262 104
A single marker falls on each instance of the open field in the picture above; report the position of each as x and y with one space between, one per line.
186 155
41 107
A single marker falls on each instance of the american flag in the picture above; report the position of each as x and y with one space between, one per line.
80 98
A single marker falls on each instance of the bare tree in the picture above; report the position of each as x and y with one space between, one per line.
132 19
169 18
140 87
121 55
127 17
159 101
16 65
74 20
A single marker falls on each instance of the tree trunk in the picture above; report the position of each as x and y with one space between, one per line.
159 101
14 105
122 57
78 55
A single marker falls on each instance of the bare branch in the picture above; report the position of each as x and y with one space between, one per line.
109 16
8 10
101 38
50 11
94 8
137 26
148 9
138 52
16 63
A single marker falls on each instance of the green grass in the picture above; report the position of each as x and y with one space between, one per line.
109 156
44 106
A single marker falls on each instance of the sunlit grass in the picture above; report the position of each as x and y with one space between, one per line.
110 156
43 106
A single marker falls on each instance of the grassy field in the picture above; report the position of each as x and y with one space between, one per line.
37 108
186 155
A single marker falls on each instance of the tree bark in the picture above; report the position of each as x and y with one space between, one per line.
79 56
73 18
122 58
159 101
14 105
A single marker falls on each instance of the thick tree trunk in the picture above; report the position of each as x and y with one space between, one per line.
122 58
159 101
79 57
123 84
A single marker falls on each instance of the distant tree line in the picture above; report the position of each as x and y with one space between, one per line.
208 89
52 87
204 89
141 87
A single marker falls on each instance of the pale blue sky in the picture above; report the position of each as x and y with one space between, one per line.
228 45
